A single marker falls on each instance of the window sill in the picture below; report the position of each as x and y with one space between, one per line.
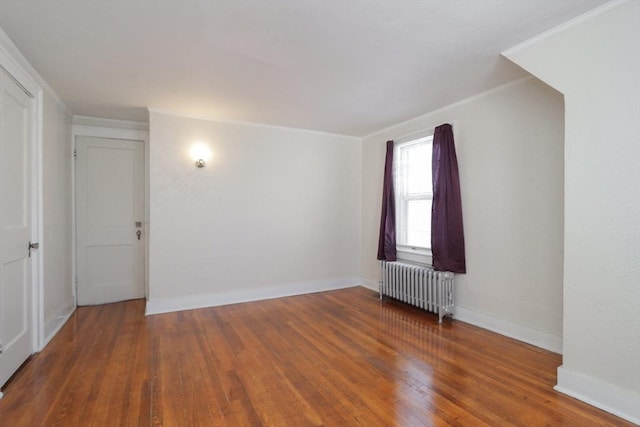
422 256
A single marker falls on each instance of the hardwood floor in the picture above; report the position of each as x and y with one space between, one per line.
337 358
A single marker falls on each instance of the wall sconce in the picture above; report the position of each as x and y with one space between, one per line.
200 153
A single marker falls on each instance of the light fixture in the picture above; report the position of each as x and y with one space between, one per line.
200 153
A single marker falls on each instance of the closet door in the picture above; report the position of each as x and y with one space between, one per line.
16 327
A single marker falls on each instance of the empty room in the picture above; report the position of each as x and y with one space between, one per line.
328 213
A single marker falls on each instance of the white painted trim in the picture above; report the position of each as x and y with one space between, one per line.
74 276
72 183
370 284
190 302
37 225
110 133
457 104
109 123
252 124
53 326
615 400
425 257
587 16
513 330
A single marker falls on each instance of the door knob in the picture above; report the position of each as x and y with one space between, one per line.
32 246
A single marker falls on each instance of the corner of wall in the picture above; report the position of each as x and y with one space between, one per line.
57 321
369 284
600 394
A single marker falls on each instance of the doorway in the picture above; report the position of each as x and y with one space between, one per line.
110 219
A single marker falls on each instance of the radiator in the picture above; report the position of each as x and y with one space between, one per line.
418 285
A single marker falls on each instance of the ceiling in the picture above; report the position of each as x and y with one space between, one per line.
349 67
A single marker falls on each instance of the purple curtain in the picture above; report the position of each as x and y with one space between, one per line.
447 234
387 239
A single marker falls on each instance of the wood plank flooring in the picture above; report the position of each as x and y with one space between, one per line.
339 358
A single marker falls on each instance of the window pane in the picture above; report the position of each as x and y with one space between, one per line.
419 223
419 168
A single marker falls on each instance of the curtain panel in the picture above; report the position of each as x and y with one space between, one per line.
387 237
447 234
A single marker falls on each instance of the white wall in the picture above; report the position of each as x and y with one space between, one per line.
57 227
509 144
596 64
276 211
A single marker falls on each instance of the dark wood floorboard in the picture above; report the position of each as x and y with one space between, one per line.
339 358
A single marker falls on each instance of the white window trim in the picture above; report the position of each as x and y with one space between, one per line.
413 253
422 256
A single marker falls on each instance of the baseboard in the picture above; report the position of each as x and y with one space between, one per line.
513 330
615 400
53 325
190 302
370 284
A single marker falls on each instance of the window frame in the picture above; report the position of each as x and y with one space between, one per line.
408 252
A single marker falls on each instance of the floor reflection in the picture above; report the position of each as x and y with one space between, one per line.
424 355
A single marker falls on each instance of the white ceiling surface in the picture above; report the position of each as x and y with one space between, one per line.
349 67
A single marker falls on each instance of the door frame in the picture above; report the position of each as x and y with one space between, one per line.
110 129
19 69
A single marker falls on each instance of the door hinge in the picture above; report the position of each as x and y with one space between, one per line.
75 153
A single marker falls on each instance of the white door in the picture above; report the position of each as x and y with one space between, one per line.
109 220
16 326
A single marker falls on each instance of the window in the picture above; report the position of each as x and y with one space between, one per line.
414 193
